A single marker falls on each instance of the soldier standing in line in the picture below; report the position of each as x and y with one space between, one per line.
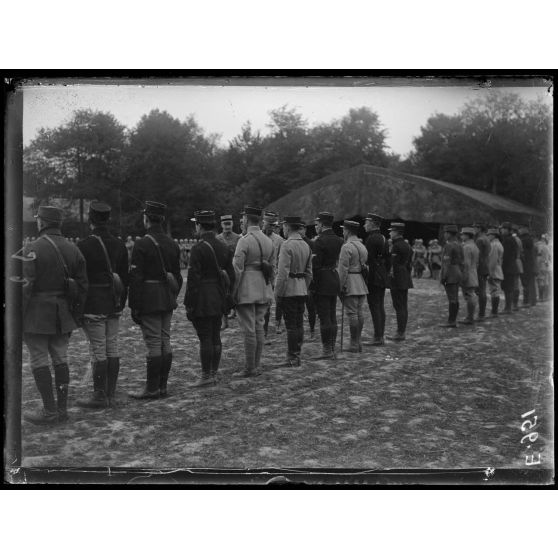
483 244
326 281
105 256
269 220
352 259
470 281
253 266
205 299
400 278
294 274
509 266
310 304
452 272
495 274
379 265
434 259
155 281
517 281
230 238
54 293
529 255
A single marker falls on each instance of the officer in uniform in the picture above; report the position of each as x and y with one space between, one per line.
326 281
294 274
252 292
352 257
269 220
54 293
470 280
495 274
310 303
483 244
379 265
155 282
452 272
529 258
509 266
104 304
205 297
400 278
230 238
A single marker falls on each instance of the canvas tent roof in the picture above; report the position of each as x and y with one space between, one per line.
397 195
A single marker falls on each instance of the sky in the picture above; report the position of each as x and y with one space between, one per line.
223 109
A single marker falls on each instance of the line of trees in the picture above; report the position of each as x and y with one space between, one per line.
498 143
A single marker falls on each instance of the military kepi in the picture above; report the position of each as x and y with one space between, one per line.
252 210
325 217
50 213
506 225
451 228
396 226
468 230
270 217
155 208
204 217
351 225
226 218
293 221
99 211
376 219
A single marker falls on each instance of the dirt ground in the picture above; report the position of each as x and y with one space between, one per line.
442 399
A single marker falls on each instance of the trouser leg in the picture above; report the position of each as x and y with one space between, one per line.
259 311
481 292
247 322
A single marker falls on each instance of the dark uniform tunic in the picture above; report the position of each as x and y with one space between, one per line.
510 269
483 244
326 283
150 296
400 281
379 265
99 297
47 317
529 260
205 299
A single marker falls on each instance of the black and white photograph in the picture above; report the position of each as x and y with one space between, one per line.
287 277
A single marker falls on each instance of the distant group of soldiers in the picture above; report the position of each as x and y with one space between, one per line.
68 285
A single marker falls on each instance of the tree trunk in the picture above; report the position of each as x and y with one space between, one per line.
81 223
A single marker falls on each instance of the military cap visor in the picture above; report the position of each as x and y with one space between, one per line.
352 225
205 217
492 231
291 220
468 230
451 228
226 218
251 210
397 226
373 217
325 217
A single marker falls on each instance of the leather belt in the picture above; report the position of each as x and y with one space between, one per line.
297 275
154 281
48 294
99 285
355 272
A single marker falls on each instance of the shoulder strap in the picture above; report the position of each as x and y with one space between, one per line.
260 246
152 238
214 255
61 260
107 259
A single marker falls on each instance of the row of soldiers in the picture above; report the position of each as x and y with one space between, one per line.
68 286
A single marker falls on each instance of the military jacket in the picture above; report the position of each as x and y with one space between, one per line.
529 255
483 244
100 295
327 247
45 307
149 291
379 261
495 260
250 285
452 263
204 296
294 270
230 239
277 241
401 256
352 256
511 256
470 264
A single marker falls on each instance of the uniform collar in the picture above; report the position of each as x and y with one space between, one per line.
327 231
54 231
295 236
253 228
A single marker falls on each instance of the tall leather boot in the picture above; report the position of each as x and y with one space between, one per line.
516 294
216 360
327 353
113 368
470 319
360 328
452 314
166 363
293 354
49 413
153 372
260 342
62 381
353 329
495 302
99 398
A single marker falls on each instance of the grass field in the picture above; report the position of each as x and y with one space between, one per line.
443 399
